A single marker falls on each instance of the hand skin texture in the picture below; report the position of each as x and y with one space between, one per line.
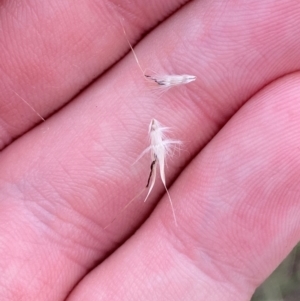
235 184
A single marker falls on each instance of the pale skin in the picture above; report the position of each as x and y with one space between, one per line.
235 189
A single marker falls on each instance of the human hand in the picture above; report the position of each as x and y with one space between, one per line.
235 188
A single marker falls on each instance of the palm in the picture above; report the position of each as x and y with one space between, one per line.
235 190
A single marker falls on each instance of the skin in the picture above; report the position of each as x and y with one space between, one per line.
235 184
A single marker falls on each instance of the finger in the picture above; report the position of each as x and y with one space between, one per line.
75 171
49 51
238 213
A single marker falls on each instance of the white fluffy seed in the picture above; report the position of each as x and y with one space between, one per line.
167 80
159 148
171 80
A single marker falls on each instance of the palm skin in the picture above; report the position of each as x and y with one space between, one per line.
235 184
